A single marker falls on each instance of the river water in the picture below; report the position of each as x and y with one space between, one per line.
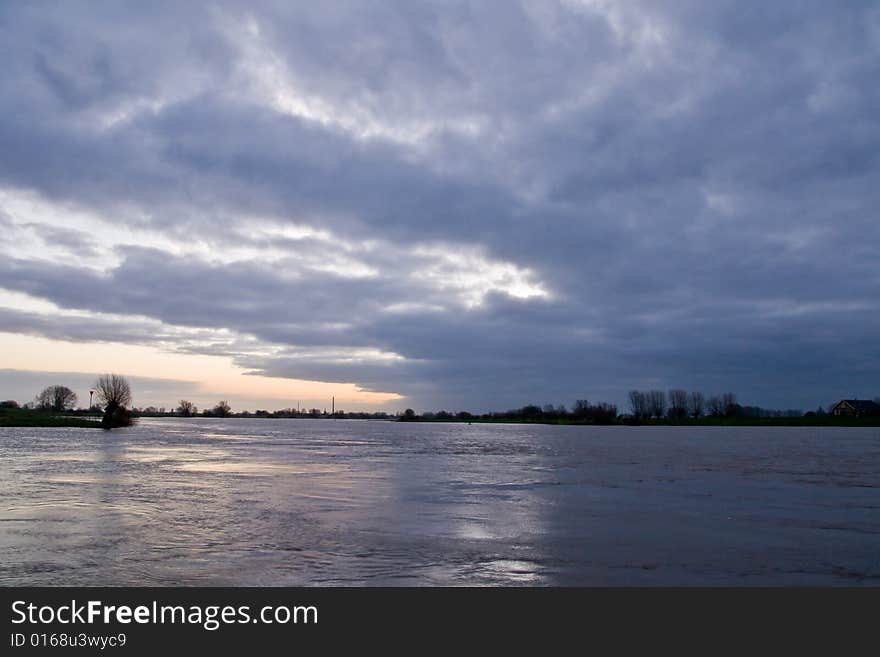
333 502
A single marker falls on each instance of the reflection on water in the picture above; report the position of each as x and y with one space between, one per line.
290 502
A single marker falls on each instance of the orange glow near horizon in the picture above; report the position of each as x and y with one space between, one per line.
214 376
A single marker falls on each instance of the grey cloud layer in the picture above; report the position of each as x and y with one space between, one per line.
694 186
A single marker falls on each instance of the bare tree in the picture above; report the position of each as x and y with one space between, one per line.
657 403
113 391
600 413
716 406
56 398
696 403
186 408
728 401
222 409
638 404
678 400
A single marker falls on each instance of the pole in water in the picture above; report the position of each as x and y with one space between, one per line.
333 406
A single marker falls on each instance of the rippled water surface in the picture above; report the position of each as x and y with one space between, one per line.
302 502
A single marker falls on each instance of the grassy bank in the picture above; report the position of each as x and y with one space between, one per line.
819 421
815 421
20 417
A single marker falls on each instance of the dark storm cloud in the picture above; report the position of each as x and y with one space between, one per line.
694 186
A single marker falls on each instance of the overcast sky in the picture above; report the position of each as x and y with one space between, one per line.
462 205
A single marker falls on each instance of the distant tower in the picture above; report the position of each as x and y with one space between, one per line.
333 406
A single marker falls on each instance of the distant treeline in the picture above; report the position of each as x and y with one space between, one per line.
679 404
676 406
60 399
583 412
186 408
222 409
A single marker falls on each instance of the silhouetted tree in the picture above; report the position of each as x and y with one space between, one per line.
695 404
113 391
657 403
186 408
728 401
678 401
716 406
222 409
409 415
638 403
9 403
530 412
56 398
